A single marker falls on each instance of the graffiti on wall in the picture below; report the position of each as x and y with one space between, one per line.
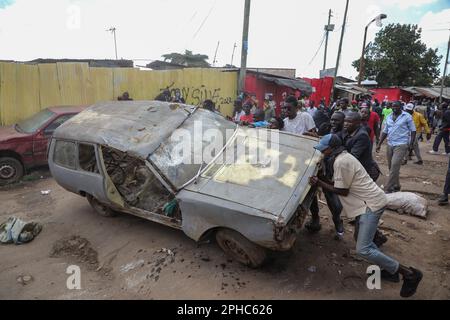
196 95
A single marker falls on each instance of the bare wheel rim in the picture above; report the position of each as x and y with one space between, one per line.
7 171
237 251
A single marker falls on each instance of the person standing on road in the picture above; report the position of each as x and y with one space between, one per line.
421 124
444 131
400 131
387 111
372 121
364 201
443 200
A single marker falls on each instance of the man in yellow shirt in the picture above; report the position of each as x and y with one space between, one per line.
421 124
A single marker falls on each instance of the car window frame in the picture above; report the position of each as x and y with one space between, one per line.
77 160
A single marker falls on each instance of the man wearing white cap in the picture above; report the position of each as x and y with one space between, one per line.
421 124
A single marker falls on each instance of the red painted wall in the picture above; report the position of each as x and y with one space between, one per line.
323 89
260 87
393 94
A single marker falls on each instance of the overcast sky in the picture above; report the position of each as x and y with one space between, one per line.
283 33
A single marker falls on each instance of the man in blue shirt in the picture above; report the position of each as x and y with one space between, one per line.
401 133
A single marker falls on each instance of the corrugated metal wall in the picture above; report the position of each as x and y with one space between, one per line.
26 89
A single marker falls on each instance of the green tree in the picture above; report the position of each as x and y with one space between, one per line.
398 57
187 59
446 81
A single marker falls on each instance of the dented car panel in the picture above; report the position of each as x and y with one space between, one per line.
135 172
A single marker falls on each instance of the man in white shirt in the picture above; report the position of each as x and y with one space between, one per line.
297 122
361 198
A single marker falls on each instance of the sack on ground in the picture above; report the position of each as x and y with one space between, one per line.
408 203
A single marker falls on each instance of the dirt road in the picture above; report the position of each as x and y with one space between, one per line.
127 258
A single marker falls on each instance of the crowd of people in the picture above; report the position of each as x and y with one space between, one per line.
348 172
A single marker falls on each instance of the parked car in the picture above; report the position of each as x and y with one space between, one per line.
123 158
24 145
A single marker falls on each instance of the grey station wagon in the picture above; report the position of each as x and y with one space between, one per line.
122 157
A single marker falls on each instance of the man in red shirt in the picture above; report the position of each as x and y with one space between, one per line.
372 121
248 117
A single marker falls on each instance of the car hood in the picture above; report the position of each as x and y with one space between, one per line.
276 192
9 133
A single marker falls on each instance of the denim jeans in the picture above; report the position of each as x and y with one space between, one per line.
368 224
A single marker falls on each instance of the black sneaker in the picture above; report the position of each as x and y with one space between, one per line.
313 227
443 200
420 163
390 277
379 239
410 283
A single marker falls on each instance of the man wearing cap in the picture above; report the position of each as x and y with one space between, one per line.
421 124
400 131
364 201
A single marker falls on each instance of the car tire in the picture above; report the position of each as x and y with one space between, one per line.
11 170
100 208
240 248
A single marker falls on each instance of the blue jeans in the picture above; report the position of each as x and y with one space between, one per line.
368 224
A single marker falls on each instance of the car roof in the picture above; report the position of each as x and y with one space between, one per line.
136 127
67 109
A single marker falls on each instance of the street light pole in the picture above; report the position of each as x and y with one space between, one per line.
362 60
113 31
445 72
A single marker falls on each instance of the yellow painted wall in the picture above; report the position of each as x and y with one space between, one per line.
26 89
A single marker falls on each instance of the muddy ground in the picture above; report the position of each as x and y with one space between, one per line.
130 258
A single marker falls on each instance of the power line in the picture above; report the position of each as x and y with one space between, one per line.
204 20
320 47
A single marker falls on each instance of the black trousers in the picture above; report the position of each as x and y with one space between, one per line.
335 207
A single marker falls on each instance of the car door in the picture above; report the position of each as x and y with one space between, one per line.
41 139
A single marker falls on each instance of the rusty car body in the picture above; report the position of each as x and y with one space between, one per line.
120 156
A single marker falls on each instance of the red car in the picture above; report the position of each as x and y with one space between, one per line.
24 145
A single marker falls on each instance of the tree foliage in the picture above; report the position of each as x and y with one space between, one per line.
398 57
187 59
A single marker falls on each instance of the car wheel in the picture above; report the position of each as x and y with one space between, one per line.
11 170
240 248
100 208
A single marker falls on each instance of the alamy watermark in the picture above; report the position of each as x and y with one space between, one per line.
197 146
74 280
73 21
374 279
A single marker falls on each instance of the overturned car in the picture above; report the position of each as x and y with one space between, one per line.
190 169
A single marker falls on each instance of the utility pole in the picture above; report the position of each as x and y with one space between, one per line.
340 49
244 52
232 56
328 28
113 31
215 55
445 71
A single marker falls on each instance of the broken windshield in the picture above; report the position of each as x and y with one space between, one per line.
202 137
